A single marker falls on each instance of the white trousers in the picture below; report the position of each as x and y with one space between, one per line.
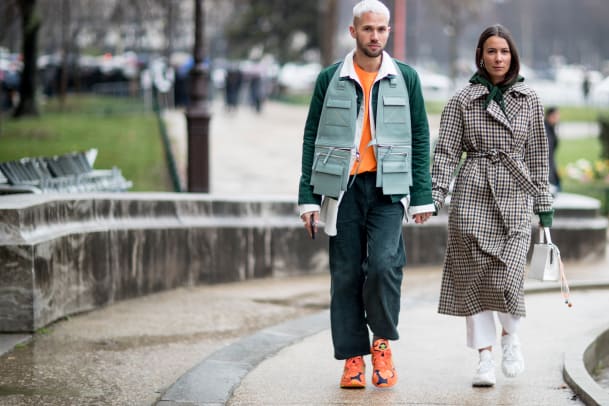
481 330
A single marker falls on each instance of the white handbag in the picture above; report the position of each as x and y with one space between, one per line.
545 259
546 263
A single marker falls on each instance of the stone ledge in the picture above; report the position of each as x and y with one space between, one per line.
64 254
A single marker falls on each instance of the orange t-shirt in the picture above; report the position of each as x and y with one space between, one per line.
366 153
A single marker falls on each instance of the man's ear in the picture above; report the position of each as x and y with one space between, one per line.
352 30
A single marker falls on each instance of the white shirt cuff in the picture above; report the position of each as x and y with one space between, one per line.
427 208
306 208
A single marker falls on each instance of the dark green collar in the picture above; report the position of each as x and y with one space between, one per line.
495 92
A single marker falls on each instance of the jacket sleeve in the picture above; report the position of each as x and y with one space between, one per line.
448 150
420 191
305 190
536 157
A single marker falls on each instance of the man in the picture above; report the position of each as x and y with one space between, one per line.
365 161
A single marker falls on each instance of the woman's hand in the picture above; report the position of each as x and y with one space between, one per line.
421 218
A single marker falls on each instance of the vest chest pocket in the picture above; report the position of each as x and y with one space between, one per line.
338 113
330 172
394 109
394 174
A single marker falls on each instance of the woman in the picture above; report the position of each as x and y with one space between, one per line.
498 122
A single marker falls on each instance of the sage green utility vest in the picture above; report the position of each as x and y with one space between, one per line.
335 149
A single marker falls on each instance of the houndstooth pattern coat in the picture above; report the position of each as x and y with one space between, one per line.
503 180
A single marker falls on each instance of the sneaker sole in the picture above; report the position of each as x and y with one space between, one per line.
353 386
384 385
483 384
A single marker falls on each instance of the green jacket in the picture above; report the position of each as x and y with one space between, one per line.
420 191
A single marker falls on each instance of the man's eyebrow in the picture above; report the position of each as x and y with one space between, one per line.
374 26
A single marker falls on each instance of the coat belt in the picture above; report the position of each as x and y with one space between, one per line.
510 162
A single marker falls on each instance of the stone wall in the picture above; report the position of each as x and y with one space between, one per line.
66 254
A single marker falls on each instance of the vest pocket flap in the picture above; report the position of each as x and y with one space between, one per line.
339 103
330 168
394 174
394 101
395 166
330 173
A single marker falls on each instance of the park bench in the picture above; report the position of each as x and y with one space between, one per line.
68 173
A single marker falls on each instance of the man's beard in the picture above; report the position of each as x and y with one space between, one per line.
369 53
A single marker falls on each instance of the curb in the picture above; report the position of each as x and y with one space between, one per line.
213 381
576 374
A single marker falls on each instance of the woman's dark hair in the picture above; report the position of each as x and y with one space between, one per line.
499 31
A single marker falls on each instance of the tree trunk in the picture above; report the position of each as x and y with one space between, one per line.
65 53
30 20
327 25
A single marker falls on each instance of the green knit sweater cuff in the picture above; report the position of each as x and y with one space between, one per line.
546 217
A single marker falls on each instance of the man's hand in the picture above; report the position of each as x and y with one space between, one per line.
306 218
421 218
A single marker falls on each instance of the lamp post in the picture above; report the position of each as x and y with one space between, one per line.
197 113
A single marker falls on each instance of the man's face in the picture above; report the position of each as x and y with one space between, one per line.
371 32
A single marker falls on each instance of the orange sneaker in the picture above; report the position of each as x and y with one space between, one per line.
354 375
383 372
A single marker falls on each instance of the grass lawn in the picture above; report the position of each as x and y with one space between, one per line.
130 142
581 113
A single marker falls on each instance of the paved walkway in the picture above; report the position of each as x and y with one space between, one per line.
139 351
434 365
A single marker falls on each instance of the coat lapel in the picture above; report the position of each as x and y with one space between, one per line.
493 109
513 104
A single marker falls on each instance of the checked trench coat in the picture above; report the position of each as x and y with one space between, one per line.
501 183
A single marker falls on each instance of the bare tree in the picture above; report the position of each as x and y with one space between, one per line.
285 28
9 13
455 14
328 22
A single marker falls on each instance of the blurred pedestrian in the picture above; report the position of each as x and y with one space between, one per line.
256 96
366 150
552 118
586 87
232 87
497 121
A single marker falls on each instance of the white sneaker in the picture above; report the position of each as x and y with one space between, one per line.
512 363
485 375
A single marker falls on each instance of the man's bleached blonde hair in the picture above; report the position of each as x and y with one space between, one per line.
367 6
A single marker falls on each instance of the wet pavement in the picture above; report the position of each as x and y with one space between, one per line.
131 352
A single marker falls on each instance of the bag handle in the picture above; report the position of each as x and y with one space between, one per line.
545 231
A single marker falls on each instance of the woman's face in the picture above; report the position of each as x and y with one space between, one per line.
497 58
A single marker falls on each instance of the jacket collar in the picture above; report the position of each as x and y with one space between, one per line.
512 104
478 90
387 67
